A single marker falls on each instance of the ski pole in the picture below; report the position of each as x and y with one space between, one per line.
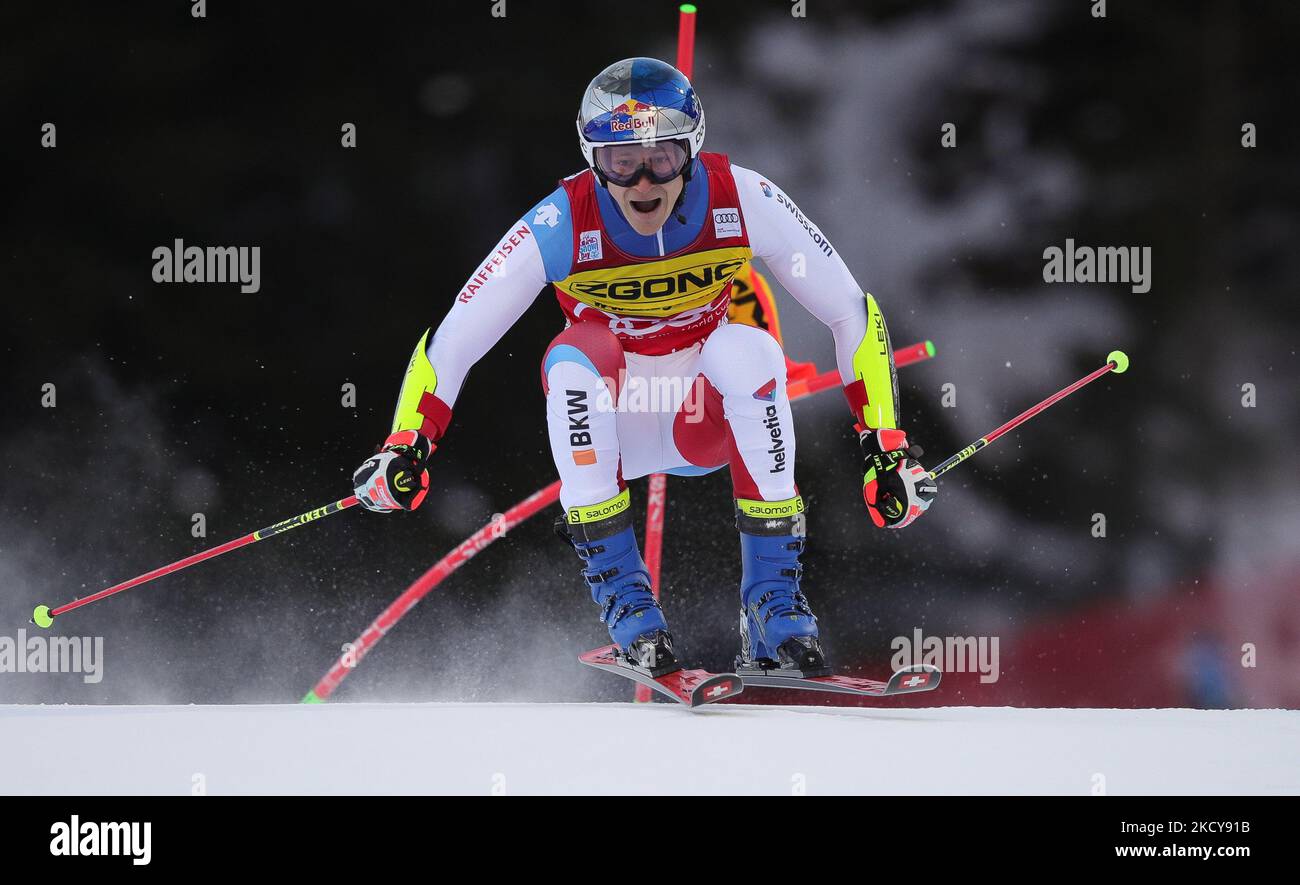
44 616
1116 361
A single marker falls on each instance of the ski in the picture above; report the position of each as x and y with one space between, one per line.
908 680
690 687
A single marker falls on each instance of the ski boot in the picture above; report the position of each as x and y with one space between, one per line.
602 535
778 632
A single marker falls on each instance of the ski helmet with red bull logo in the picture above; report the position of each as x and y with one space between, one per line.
640 103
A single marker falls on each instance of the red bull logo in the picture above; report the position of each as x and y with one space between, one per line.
632 116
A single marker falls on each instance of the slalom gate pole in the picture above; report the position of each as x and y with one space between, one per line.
686 39
655 504
534 503
1116 362
44 616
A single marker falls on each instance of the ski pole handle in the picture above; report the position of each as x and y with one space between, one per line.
1116 361
44 616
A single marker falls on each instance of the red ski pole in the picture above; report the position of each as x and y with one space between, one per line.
44 616
1116 361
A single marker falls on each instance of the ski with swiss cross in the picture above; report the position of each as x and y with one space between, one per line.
689 687
908 680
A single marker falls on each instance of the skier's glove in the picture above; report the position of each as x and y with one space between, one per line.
397 476
895 487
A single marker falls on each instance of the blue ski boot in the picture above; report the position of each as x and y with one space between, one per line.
778 632
602 535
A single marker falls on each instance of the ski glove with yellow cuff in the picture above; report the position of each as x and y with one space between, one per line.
895 487
397 476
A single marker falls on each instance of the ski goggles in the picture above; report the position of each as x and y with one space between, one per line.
624 164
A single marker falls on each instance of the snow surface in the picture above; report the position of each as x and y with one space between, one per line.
613 749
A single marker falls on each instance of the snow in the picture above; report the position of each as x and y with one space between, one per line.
618 749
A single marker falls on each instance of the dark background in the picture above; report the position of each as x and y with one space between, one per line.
178 399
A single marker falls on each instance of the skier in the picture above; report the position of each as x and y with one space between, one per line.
643 249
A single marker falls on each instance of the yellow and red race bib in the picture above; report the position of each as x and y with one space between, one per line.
662 303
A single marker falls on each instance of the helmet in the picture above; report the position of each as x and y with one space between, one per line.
641 101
